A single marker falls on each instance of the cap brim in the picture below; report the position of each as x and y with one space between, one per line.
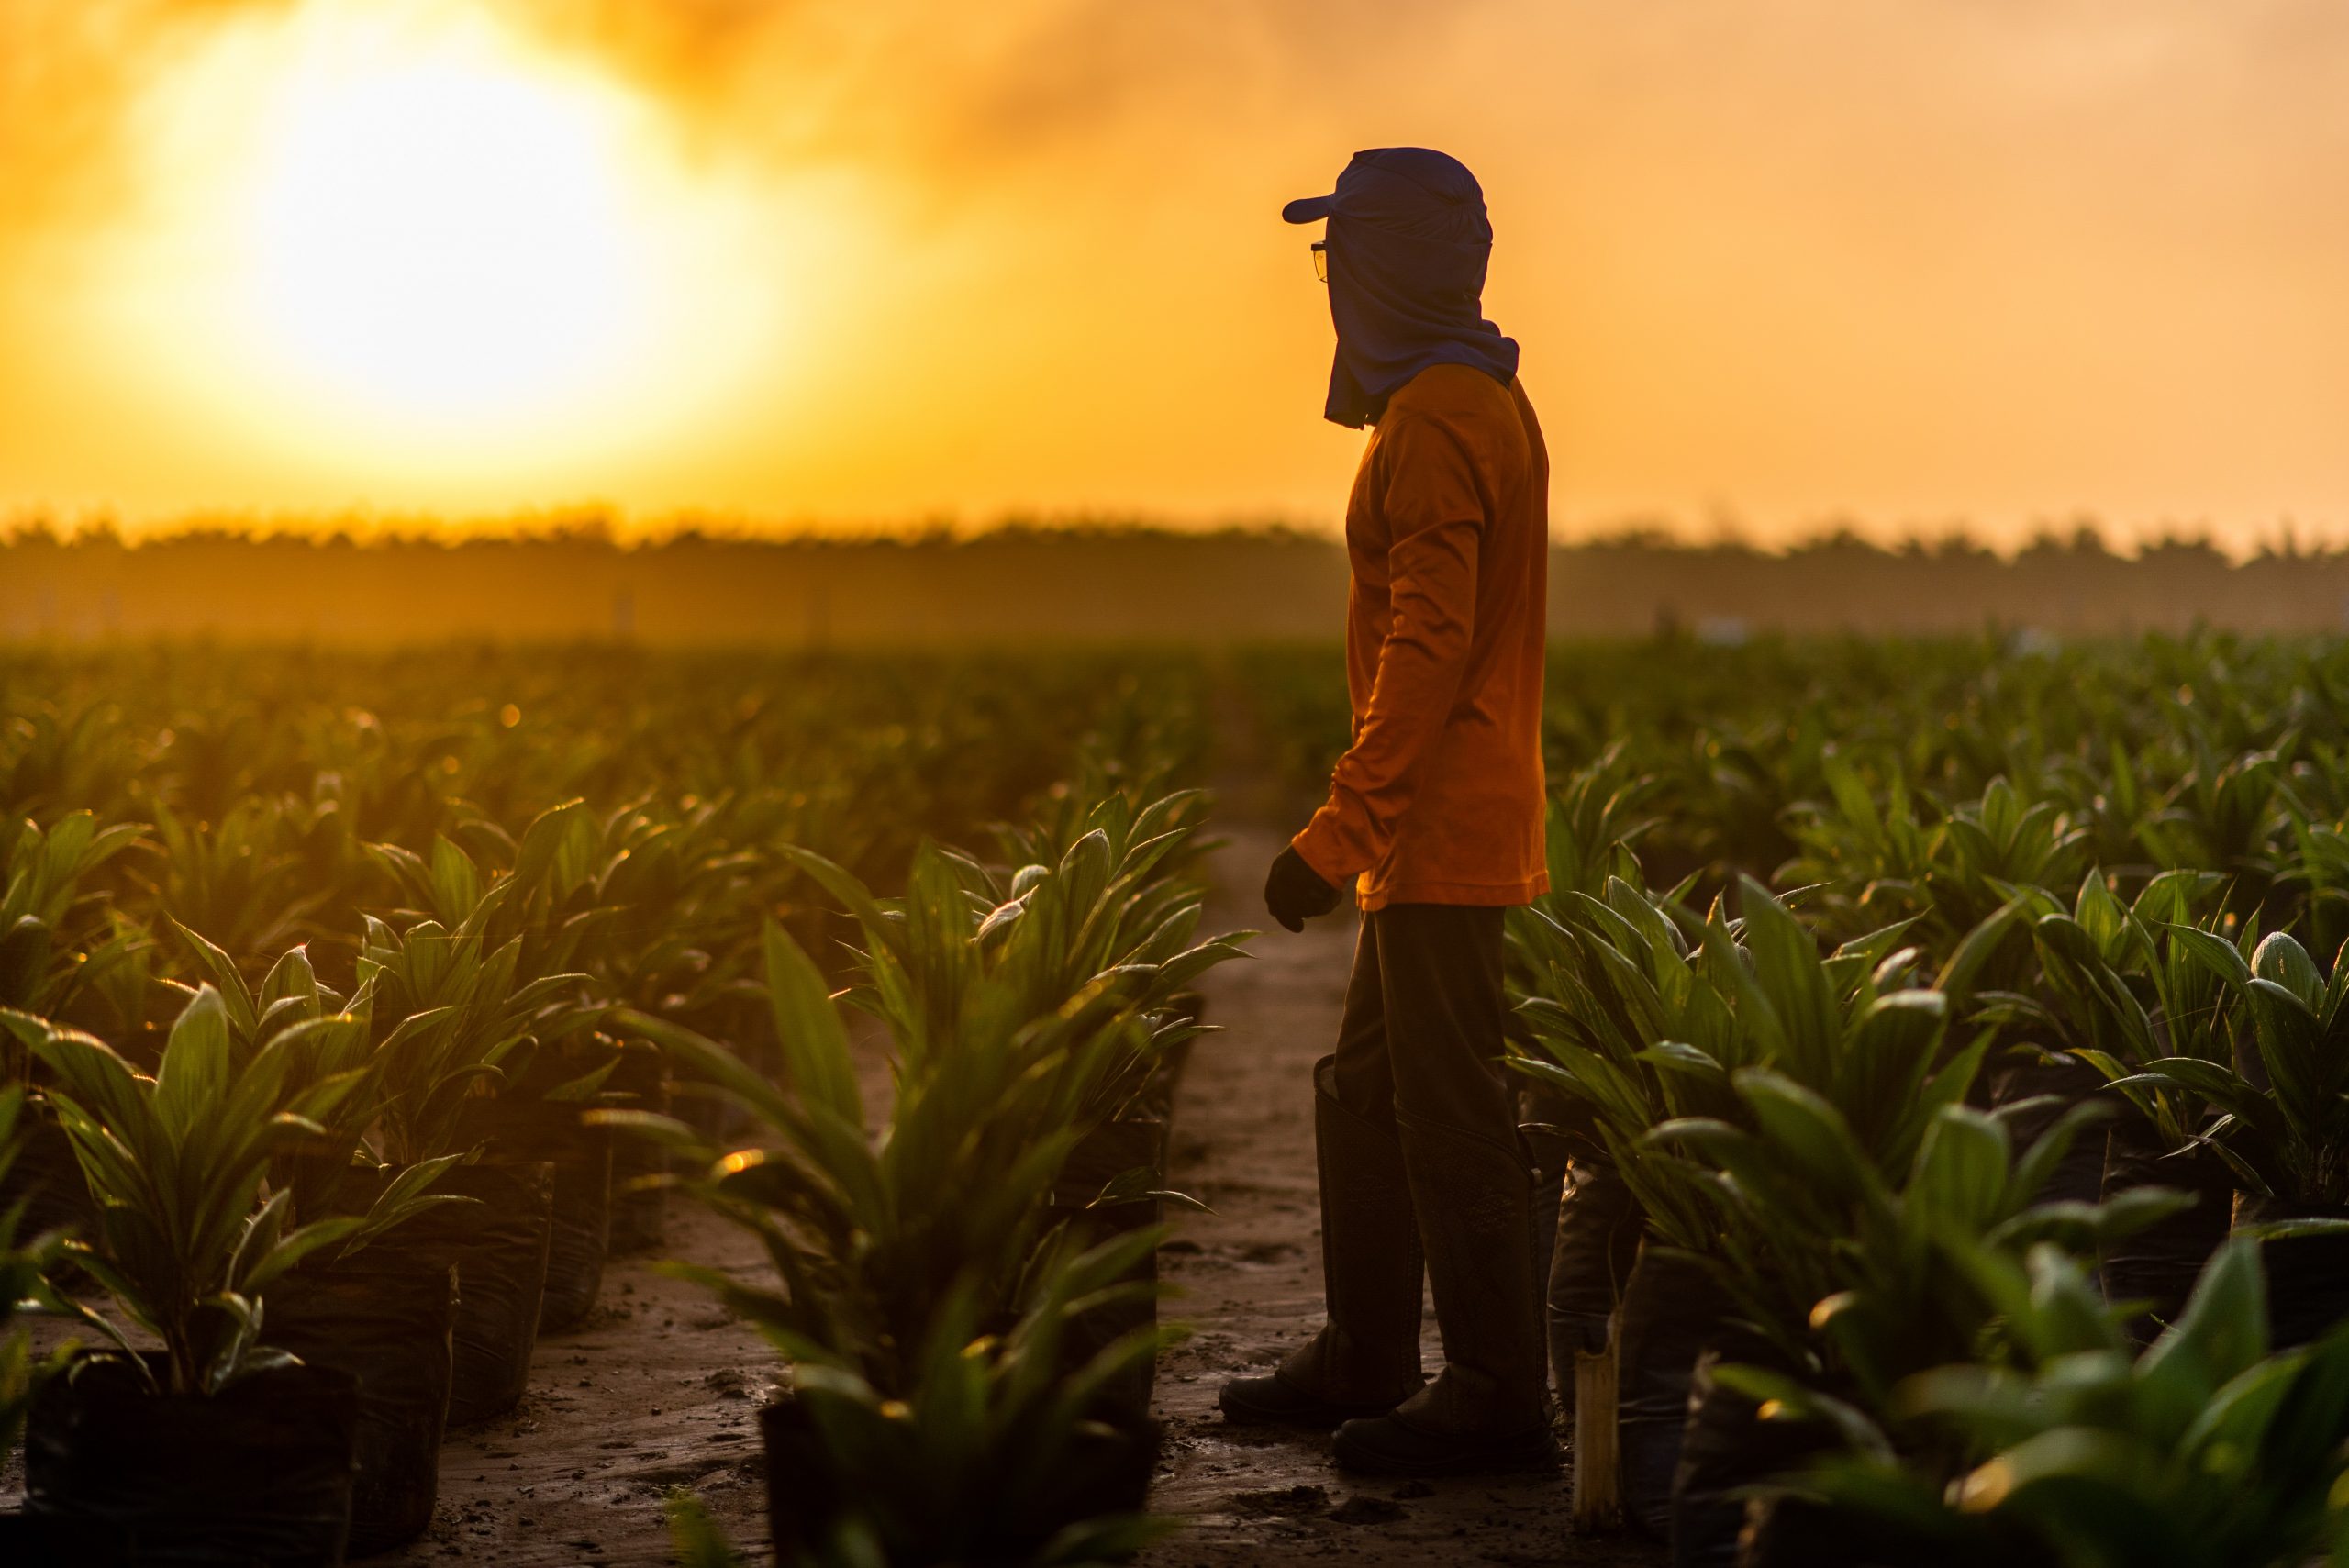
1307 209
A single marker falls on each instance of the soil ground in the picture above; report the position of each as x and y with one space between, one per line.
661 1388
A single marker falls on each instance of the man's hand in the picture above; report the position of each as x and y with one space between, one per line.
1295 892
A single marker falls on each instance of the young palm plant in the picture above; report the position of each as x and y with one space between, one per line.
924 1301
1646 1022
2284 1127
51 945
2067 1448
1858 1271
454 1020
186 1244
872 1236
969 950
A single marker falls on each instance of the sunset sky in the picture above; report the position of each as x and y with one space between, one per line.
863 261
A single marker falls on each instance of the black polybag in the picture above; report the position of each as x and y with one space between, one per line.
259 1472
2159 1264
813 1487
1672 1312
385 1318
530 1131
1596 1243
1105 1154
499 1246
2308 1276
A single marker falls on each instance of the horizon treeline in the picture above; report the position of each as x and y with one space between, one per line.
571 578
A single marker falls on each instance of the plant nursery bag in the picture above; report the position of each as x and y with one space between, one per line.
2078 1177
1105 1154
1107 1471
527 1132
2308 1276
1726 1451
385 1320
258 1473
1596 1244
499 1246
1672 1312
2159 1264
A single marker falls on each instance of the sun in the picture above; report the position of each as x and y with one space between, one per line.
412 254
448 236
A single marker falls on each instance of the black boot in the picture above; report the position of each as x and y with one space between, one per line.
1365 1359
1487 1411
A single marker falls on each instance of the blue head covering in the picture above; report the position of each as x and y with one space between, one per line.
1407 243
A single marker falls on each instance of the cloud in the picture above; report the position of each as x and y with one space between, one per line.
68 69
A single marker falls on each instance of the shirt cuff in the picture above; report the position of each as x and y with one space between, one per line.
1313 848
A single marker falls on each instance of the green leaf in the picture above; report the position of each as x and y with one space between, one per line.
1962 1167
193 1077
807 1029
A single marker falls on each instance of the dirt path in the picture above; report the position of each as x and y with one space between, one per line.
661 1388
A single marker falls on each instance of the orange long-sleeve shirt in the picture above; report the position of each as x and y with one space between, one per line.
1440 798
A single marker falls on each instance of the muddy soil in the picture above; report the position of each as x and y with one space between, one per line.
661 1388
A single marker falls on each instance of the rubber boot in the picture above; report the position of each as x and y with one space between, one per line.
1486 1411
1365 1359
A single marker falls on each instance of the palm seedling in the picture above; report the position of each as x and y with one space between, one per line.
1847 1276
462 1009
923 1300
991 1454
1795 1123
186 1244
869 1236
334 1062
2125 986
1856 1270
55 763
51 949
2066 1448
2314 881
2229 813
970 951
237 878
2118 990
1595 822
1646 1020
2284 1117
1878 864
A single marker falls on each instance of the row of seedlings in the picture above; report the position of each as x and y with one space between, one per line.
966 1295
1851 1326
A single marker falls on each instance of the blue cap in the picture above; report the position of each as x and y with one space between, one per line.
1397 186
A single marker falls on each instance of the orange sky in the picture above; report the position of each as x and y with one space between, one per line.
1776 260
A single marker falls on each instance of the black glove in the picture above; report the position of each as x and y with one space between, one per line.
1295 892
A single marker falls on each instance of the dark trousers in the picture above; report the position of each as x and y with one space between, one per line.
1421 1035
1421 1167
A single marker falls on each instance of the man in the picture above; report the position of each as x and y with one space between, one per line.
1435 815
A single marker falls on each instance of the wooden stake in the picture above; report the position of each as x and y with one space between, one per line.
1598 1472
